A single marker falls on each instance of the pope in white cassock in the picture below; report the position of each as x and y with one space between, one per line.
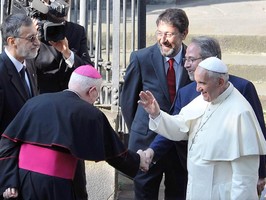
224 136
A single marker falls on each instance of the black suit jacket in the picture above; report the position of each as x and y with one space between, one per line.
49 59
12 93
146 71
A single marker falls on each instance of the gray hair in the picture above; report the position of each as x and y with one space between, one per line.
216 75
175 17
82 83
209 46
12 24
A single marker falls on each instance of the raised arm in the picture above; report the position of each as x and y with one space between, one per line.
149 103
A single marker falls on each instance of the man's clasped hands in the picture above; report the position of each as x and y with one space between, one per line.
145 159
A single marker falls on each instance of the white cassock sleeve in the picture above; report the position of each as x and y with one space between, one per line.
245 177
173 127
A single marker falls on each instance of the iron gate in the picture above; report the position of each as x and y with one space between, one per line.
114 29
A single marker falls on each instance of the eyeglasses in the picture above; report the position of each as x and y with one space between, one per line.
191 60
166 34
32 38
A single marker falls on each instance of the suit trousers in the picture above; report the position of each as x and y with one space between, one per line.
147 184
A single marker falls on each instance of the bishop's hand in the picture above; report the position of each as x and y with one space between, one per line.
10 193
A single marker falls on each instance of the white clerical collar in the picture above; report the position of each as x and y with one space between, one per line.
224 95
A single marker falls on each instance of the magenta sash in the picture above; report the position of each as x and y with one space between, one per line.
47 161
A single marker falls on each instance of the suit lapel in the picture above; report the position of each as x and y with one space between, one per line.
14 76
157 61
184 78
184 74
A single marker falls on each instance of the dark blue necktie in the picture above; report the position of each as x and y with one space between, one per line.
25 85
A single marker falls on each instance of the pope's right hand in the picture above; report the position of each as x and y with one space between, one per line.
149 103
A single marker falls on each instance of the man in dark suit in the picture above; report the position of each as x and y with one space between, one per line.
17 85
148 70
201 48
56 60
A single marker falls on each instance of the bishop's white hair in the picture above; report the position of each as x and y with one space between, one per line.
82 83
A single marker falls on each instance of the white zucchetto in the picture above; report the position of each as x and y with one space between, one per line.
214 64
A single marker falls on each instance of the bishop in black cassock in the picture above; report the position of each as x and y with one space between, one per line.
63 124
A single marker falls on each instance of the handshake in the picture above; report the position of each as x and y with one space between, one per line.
145 159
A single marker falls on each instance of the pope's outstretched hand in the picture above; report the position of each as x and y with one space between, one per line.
149 103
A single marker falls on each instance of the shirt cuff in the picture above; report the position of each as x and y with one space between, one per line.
70 60
153 123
